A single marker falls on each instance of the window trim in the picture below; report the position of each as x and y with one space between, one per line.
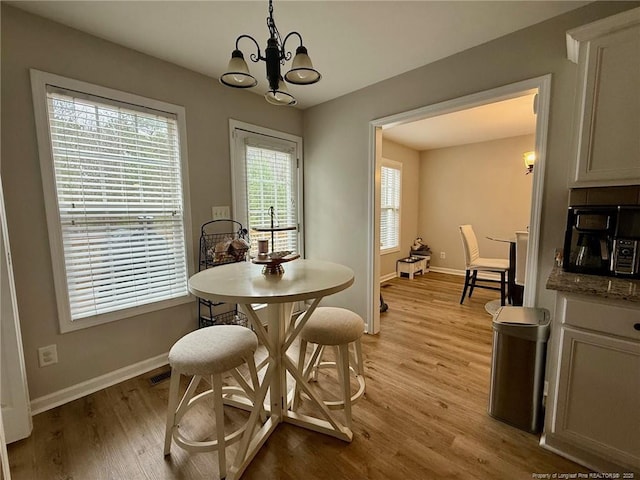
39 82
397 166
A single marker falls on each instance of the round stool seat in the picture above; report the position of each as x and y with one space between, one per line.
213 350
333 326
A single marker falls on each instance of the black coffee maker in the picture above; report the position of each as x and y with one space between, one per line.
589 239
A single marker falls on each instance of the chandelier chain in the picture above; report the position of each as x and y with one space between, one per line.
275 34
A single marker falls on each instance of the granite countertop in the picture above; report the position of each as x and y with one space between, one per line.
604 287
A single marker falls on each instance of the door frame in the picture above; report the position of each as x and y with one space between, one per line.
542 86
16 422
234 127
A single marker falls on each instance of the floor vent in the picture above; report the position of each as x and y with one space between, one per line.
161 377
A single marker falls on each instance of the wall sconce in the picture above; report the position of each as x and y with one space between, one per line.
529 160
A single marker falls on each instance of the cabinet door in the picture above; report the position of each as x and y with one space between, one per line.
608 142
598 398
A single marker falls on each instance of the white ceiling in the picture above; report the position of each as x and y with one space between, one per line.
504 119
352 43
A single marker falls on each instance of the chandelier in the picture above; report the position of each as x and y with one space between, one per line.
301 73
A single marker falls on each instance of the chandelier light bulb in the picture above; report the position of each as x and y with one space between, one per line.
302 71
281 96
238 75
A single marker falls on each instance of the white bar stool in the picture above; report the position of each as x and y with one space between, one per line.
339 328
210 352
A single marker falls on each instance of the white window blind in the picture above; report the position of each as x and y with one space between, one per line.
271 184
118 182
389 207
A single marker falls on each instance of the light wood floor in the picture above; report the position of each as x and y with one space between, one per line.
424 415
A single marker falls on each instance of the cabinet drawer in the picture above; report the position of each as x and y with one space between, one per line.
602 317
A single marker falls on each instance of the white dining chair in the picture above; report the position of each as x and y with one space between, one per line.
475 263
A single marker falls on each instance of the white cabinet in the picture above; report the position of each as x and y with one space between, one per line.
593 408
607 118
596 392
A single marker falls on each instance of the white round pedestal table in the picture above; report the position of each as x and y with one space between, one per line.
245 284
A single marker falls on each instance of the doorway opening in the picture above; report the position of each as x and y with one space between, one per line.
540 87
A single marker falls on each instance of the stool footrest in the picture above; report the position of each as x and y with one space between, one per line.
206 446
333 405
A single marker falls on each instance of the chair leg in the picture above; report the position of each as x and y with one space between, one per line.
359 365
218 406
174 386
467 276
342 363
502 289
473 282
316 362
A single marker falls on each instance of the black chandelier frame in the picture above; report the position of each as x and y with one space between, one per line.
275 55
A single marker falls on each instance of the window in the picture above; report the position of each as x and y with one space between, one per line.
113 173
267 173
390 184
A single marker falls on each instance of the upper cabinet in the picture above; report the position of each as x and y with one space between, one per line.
607 118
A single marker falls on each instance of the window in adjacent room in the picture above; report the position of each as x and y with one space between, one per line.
115 183
267 171
390 192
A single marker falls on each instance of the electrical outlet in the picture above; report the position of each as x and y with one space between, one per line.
220 213
443 255
47 355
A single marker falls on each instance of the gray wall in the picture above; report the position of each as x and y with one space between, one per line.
29 41
483 184
337 138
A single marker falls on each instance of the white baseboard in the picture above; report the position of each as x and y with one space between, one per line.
451 271
55 399
388 276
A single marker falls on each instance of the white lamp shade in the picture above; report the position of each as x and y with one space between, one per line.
302 71
281 96
237 74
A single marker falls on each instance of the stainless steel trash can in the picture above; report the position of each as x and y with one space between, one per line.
520 337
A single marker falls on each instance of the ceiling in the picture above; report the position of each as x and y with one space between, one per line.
352 43
504 119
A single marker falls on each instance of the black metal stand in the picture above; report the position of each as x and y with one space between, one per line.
273 228
221 242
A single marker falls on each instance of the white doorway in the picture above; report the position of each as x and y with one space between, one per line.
540 86
15 419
